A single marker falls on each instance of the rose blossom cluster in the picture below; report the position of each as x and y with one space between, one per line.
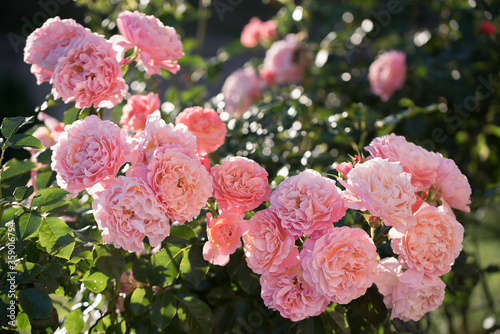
85 68
412 191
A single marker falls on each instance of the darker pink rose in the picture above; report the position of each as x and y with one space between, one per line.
257 31
137 109
387 74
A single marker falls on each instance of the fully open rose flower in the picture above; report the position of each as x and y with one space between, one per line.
50 42
381 187
420 163
179 181
341 264
89 74
126 211
88 151
240 184
158 46
285 61
257 31
454 187
288 293
137 109
433 244
206 125
157 133
241 89
387 74
224 236
268 247
308 202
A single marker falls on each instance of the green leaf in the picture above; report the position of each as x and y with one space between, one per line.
49 198
11 124
23 320
163 309
166 265
22 140
27 223
17 174
71 115
140 300
29 271
312 325
21 193
195 315
57 237
193 265
44 178
181 235
371 307
74 322
109 260
36 303
45 156
96 282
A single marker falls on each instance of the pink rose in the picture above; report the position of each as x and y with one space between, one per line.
288 293
420 163
224 236
157 134
308 202
47 44
157 45
388 272
88 151
387 74
240 184
126 211
415 294
285 61
206 125
179 181
341 264
381 187
257 31
453 185
268 247
433 244
241 89
89 74
488 28
205 161
137 109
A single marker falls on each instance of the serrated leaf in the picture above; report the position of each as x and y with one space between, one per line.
193 266
22 140
96 282
49 198
56 236
36 303
74 322
195 315
11 124
166 265
23 192
16 174
27 223
140 300
163 309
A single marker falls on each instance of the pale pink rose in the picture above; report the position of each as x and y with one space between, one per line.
268 247
381 187
415 294
88 151
289 294
387 74
341 264
240 184
241 89
206 125
179 181
416 160
388 272
89 74
257 31
224 236
433 244
55 127
126 211
453 185
308 202
157 134
158 46
286 60
137 109
50 42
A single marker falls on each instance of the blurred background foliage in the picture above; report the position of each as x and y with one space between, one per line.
449 104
